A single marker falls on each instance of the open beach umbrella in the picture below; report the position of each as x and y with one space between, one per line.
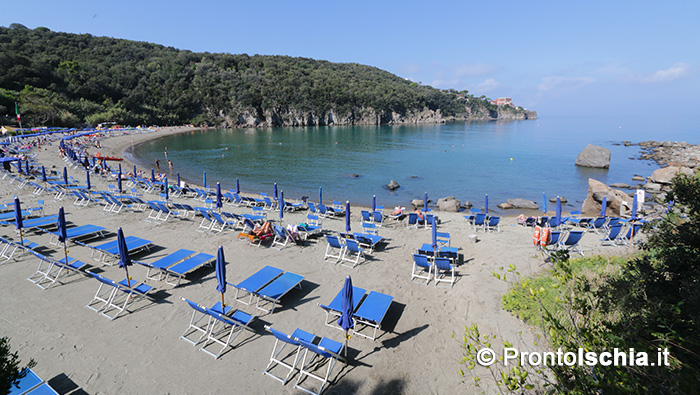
281 204
238 186
603 206
219 198
276 195
43 174
374 203
87 179
320 195
633 217
124 259
345 321
65 175
347 216
544 203
486 204
425 202
153 175
165 180
62 236
18 219
204 179
220 269
178 180
558 212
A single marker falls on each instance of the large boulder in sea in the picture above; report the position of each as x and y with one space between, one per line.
665 174
523 204
393 185
594 156
417 203
449 204
596 191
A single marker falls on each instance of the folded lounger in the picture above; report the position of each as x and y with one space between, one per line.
277 360
333 310
165 262
274 291
197 322
116 296
371 312
181 269
327 351
256 282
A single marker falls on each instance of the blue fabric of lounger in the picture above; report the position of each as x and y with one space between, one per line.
279 287
372 311
257 281
188 265
170 259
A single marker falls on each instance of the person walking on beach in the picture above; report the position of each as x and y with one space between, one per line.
158 164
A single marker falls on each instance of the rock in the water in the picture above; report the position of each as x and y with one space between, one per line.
468 204
637 178
449 204
417 203
561 199
594 156
505 206
620 185
393 185
652 187
523 203
664 175
596 191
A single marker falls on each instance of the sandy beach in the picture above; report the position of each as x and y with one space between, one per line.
140 352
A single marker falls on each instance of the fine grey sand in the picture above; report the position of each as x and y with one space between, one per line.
140 352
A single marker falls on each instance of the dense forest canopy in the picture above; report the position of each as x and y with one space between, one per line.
67 79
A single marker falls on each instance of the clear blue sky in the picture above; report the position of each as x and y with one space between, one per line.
557 57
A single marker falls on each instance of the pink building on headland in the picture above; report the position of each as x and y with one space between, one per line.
503 101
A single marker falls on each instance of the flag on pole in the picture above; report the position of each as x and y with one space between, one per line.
19 118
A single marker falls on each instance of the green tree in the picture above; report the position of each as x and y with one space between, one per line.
10 366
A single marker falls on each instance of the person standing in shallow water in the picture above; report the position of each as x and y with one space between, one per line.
158 164
170 164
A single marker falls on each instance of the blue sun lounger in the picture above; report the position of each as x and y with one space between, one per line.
165 262
274 291
181 269
11 215
78 232
315 356
368 240
111 249
50 270
31 384
118 296
197 324
233 325
256 282
285 339
371 312
334 308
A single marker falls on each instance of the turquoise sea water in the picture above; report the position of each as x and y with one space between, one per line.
465 160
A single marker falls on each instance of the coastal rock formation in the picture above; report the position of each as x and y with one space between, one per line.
665 174
671 153
505 206
523 204
468 204
561 199
594 156
596 191
449 204
620 185
418 203
393 185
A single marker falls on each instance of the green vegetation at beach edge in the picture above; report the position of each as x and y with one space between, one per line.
648 303
62 79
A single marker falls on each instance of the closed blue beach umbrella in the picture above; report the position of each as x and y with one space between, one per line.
87 179
544 203
65 175
346 309
153 175
119 181
434 231
178 180
276 195
320 195
219 198
486 204
124 258
603 206
281 204
94 161
26 166
18 219
634 208
347 216
204 179
43 174
220 270
62 234
238 186
558 212
374 203
120 168
134 171
165 190
425 202
19 166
